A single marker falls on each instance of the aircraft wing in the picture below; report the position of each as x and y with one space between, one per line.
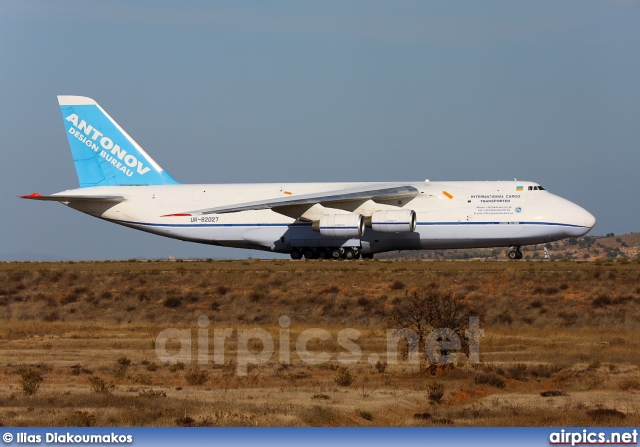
343 198
74 198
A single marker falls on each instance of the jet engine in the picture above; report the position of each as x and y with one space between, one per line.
395 221
340 225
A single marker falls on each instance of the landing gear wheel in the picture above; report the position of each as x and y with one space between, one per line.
349 255
324 253
310 254
296 254
515 254
336 253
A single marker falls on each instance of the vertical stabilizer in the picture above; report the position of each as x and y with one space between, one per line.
103 153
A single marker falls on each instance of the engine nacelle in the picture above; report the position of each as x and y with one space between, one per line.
395 221
340 225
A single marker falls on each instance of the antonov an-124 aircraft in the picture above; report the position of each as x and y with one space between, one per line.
121 183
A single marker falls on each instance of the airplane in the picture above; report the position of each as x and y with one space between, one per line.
121 183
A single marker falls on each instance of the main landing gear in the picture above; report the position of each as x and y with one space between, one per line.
515 253
348 253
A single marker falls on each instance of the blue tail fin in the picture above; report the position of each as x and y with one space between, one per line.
104 154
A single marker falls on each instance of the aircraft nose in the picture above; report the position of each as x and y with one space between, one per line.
582 220
588 219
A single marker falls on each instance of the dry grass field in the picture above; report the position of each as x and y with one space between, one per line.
561 344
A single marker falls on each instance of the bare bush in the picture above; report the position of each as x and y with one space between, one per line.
185 421
150 393
100 386
435 391
196 376
428 309
518 371
629 384
552 393
80 419
172 302
343 377
604 415
381 367
30 381
490 378
178 366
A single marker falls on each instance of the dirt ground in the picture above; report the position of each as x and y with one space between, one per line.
297 343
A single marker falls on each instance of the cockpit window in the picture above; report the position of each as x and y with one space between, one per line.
541 188
536 188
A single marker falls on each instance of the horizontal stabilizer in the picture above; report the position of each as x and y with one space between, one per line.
329 198
68 199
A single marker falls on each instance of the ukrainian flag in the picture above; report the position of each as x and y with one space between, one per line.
519 188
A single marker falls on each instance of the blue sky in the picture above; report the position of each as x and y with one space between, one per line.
252 91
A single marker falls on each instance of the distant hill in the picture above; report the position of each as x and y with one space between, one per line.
25 255
582 248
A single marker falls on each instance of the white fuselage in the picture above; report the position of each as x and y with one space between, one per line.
449 215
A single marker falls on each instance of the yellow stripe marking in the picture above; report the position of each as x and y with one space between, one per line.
447 194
